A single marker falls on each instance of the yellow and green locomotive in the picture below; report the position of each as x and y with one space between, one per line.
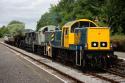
83 43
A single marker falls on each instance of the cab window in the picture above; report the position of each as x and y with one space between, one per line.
76 25
82 24
66 31
86 24
46 29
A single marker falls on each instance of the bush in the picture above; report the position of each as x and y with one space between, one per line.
118 42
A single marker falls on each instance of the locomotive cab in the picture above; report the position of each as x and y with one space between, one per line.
69 36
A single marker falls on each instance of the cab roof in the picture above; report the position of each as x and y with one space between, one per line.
69 24
50 27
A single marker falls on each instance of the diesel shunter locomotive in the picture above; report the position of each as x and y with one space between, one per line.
81 42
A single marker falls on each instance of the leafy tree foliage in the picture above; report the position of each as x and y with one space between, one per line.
13 28
106 12
15 22
116 15
3 31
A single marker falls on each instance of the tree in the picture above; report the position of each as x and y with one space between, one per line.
109 13
116 15
15 27
3 31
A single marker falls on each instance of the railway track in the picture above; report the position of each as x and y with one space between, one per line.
116 74
112 75
109 77
118 69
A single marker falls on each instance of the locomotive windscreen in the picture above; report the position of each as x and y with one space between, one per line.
82 24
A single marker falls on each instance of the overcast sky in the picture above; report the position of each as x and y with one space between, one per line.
27 11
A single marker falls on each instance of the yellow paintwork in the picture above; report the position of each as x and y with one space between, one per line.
66 37
77 38
98 34
49 48
66 40
71 38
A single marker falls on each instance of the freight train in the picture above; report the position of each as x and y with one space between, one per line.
81 42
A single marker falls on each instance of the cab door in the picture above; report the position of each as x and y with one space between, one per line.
66 37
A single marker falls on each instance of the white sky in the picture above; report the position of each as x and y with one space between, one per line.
27 11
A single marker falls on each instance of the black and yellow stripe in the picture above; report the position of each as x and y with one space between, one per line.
52 37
